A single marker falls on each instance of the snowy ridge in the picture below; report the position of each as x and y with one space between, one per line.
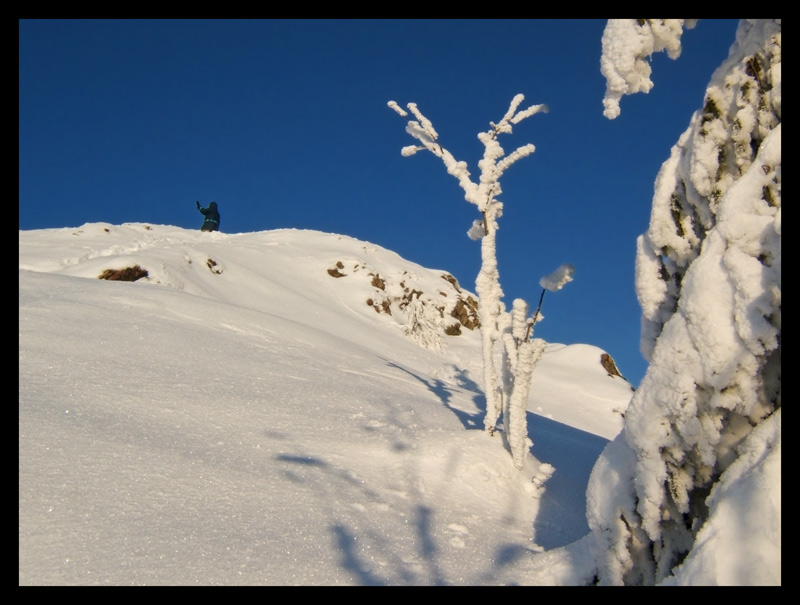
225 424
268 271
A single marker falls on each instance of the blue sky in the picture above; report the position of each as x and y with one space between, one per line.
285 124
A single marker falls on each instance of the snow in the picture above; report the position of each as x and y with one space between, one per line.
253 421
558 278
627 47
704 425
295 407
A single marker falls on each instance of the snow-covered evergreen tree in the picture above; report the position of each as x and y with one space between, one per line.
708 279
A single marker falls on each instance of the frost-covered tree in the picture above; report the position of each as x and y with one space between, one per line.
520 354
423 324
708 279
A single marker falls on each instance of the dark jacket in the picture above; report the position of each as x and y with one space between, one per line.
212 217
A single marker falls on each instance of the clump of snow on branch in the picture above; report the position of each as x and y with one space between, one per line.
558 278
627 45
476 231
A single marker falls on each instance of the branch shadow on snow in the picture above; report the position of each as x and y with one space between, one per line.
561 519
371 557
407 573
471 421
348 548
416 568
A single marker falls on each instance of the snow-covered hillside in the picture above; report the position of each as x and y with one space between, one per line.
255 412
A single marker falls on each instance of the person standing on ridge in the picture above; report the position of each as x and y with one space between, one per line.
212 217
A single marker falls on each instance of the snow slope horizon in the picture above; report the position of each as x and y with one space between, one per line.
256 408
179 259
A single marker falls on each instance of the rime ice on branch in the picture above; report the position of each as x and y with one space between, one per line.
627 46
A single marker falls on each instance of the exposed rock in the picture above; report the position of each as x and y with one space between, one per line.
213 266
335 272
398 292
608 364
129 274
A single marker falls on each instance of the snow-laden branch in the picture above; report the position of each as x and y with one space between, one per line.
627 46
397 108
533 109
494 162
426 123
558 278
520 153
